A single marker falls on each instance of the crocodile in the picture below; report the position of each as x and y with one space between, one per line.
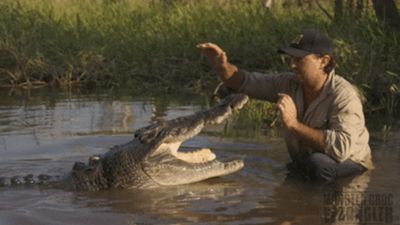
152 158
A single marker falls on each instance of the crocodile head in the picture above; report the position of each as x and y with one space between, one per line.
154 158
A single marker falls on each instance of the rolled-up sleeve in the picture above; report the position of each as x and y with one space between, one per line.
265 86
345 129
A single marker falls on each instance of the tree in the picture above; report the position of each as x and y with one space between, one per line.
386 11
338 9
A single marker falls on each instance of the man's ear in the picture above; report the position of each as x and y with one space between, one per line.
325 59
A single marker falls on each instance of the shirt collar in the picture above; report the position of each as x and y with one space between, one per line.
329 85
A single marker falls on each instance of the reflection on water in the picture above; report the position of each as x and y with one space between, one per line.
46 134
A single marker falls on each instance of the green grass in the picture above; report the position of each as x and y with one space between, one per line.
147 45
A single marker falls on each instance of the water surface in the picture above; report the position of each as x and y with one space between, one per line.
47 133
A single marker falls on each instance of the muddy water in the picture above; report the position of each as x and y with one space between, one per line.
48 133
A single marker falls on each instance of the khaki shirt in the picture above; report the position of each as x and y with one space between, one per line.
337 111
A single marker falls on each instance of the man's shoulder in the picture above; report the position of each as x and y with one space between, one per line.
343 90
341 86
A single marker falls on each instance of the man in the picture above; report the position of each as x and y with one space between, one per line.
321 112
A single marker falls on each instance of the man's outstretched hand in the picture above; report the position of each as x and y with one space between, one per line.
214 54
218 59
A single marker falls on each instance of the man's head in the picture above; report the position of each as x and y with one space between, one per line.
311 53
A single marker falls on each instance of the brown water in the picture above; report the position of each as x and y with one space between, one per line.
47 133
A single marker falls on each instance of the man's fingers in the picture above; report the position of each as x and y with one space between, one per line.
284 98
282 104
208 45
285 102
203 45
282 95
280 107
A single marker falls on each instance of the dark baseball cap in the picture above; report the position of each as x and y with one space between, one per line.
311 41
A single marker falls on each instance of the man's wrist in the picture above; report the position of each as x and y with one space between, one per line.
294 126
312 137
227 70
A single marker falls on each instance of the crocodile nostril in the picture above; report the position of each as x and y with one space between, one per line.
78 166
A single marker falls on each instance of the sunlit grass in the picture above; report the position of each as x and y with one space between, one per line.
131 42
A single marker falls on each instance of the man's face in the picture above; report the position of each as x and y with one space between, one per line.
307 68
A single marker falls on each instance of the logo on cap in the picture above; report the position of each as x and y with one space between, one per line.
298 39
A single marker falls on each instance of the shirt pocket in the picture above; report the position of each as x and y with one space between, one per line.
319 118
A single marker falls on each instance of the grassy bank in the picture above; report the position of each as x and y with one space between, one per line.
132 42
148 45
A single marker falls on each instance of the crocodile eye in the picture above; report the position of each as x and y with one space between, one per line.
93 160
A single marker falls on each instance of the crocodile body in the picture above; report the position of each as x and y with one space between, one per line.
153 158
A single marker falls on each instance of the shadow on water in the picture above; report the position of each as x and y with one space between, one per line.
212 200
49 133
